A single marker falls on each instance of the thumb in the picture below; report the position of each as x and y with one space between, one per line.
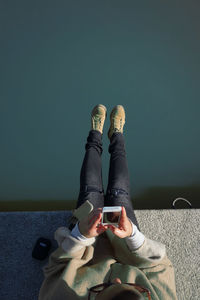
101 228
114 229
98 219
123 215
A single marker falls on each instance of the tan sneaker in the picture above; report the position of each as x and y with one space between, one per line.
98 116
117 120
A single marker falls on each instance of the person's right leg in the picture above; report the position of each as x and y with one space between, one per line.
118 189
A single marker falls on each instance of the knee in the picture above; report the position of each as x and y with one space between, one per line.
115 192
88 188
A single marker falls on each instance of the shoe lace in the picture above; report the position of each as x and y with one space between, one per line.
117 124
97 120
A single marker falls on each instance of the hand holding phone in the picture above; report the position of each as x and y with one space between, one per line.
91 226
124 227
108 217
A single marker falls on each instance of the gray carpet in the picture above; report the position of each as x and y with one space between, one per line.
21 275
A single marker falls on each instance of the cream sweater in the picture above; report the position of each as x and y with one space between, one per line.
80 263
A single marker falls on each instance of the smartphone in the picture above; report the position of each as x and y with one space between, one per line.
111 215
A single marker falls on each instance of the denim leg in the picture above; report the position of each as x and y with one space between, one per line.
118 189
91 186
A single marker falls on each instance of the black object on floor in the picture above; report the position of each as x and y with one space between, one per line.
41 248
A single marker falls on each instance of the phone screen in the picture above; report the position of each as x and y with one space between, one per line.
111 217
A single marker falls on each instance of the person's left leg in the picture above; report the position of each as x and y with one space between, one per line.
91 186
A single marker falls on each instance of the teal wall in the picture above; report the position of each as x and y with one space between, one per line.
61 58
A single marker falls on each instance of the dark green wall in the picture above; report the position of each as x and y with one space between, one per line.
60 58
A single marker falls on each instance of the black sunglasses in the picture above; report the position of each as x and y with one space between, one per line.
100 287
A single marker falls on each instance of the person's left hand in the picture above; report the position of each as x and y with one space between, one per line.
91 225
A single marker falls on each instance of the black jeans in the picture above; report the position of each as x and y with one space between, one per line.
91 186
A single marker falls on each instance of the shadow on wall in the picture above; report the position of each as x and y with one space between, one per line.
163 197
152 198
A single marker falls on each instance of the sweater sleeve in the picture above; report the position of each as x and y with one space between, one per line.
73 241
76 233
136 240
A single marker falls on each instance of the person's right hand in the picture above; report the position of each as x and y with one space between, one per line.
125 226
